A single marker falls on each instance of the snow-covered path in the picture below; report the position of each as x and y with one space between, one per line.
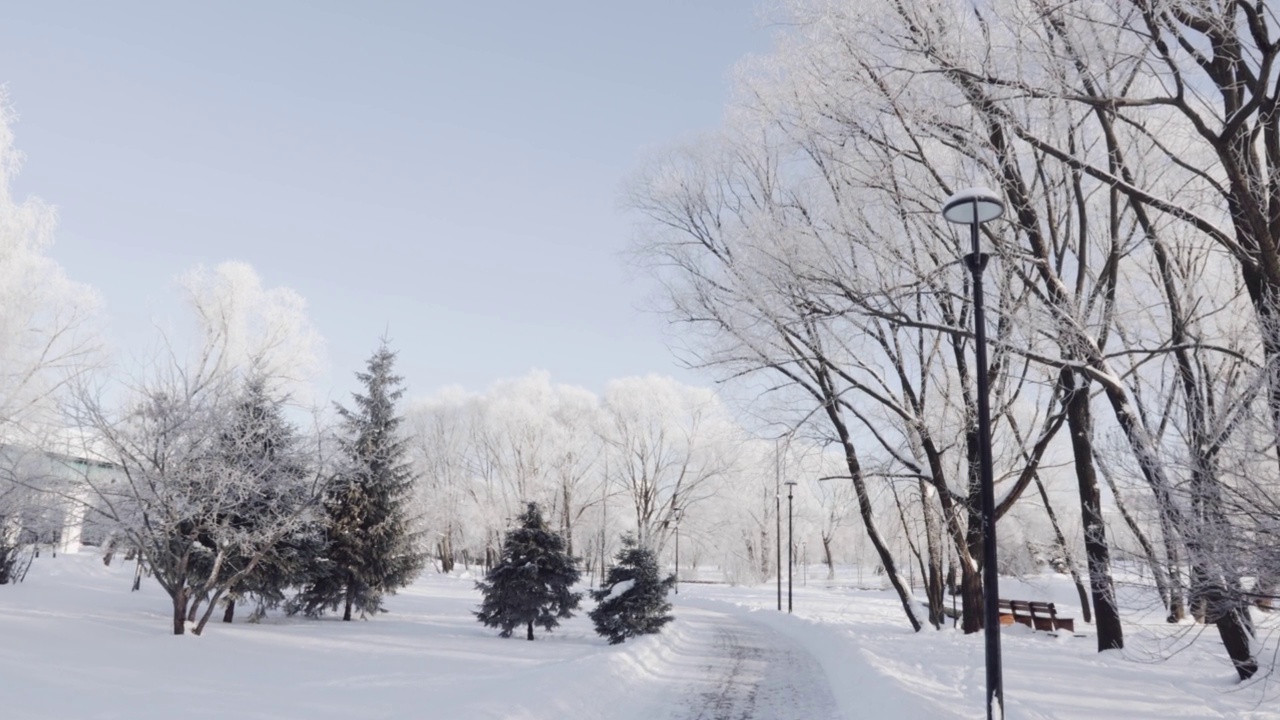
735 669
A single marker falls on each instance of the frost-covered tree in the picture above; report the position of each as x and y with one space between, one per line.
632 600
32 511
480 458
438 432
266 328
259 440
531 584
1135 147
48 338
48 323
172 465
175 497
369 547
669 446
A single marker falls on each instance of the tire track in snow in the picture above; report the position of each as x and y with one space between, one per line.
740 670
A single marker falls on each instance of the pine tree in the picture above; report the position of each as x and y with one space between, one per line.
369 549
530 584
632 600
261 445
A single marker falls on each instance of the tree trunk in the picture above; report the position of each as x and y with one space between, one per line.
865 508
1236 631
933 543
765 569
1097 553
1263 292
490 553
826 554
445 550
1177 588
971 600
1196 596
566 517
530 631
351 599
230 613
180 611
971 594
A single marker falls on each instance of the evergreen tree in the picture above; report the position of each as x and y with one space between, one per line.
632 600
530 584
261 446
369 549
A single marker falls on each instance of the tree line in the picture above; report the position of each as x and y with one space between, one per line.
1133 311
1132 316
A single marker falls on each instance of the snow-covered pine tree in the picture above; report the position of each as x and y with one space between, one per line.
531 584
369 549
632 600
260 445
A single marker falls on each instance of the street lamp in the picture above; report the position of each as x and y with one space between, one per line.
777 512
973 207
791 547
677 514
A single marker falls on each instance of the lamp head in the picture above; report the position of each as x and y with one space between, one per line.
973 205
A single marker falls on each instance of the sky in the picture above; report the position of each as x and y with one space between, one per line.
446 173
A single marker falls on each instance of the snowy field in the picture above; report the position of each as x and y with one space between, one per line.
77 644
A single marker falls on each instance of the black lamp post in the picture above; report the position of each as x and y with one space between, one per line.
677 514
973 207
791 547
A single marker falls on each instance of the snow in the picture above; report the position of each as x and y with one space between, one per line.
77 643
617 590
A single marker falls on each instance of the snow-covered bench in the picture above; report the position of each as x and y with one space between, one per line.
1035 615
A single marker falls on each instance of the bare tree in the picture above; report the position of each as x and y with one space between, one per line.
49 338
1120 133
669 447
437 447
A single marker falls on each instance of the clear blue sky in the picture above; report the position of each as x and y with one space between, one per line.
447 170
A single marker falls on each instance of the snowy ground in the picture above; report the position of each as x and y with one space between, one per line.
75 643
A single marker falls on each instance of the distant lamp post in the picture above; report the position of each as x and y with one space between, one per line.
777 515
973 207
791 546
677 514
777 512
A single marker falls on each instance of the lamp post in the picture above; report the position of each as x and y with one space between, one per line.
677 514
777 511
973 207
791 547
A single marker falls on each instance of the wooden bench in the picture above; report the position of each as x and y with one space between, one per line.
1035 615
